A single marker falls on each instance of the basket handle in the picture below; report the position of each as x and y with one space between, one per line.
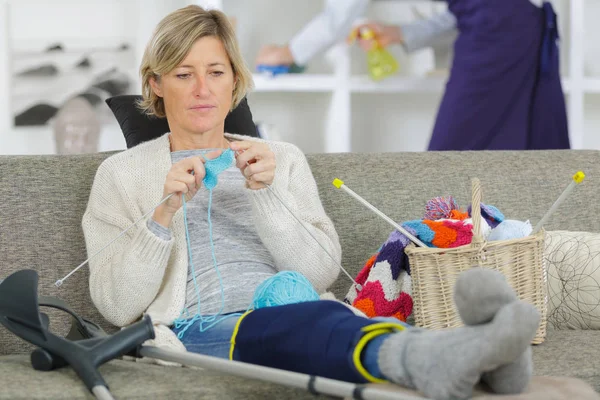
476 210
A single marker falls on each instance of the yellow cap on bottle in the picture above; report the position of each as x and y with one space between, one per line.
367 33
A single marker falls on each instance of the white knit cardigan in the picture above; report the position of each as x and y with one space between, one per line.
143 274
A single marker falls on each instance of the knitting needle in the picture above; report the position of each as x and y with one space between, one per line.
338 183
577 179
358 286
59 282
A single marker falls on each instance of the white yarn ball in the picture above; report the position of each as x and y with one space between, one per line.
484 226
511 229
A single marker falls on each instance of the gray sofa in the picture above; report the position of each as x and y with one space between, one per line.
42 199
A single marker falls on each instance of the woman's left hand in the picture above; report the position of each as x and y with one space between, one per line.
256 161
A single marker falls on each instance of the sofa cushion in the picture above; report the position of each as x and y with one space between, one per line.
570 353
45 231
573 264
134 380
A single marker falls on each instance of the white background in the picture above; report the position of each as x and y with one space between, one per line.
331 107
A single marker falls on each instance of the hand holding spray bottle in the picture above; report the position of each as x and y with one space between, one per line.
381 63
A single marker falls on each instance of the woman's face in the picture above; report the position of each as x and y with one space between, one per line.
198 93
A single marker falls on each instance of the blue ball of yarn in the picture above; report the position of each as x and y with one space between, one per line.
286 287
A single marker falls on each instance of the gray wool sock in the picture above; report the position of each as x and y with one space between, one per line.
511 378
479 293
447 364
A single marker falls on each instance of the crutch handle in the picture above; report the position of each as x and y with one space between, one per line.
100 349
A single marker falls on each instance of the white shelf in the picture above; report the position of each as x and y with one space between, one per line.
53 91
364 84
294 83
358 83
592 85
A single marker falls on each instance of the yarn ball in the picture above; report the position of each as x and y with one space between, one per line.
285 287
440 208
511 229
492 215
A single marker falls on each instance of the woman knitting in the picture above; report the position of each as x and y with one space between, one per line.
195 265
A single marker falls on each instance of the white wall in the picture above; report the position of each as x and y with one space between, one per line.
37 23
380 122
592 121
5 67
591 44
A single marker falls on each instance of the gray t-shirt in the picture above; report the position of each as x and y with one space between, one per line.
242 260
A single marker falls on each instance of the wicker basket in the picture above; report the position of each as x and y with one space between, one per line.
435 270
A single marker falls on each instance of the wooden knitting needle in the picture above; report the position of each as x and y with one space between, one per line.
577 179
338 183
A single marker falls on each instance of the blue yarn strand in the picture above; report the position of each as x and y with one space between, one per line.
285 287
213 169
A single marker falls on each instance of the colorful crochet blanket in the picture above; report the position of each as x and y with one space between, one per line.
385 278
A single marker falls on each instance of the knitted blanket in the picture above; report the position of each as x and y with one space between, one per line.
385 278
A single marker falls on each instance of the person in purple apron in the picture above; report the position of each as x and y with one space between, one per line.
504 91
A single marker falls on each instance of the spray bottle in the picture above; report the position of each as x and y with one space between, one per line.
380 62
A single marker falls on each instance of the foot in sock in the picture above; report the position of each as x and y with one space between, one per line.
511 378
478 294
447 364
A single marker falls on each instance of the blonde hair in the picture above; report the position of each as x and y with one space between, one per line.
171 42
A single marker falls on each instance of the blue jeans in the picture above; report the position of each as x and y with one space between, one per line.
216 341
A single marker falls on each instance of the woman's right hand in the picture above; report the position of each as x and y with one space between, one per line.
184 178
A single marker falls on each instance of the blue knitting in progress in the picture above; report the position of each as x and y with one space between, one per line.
286 287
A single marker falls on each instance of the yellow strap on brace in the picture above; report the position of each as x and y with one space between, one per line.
235 332
372 331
